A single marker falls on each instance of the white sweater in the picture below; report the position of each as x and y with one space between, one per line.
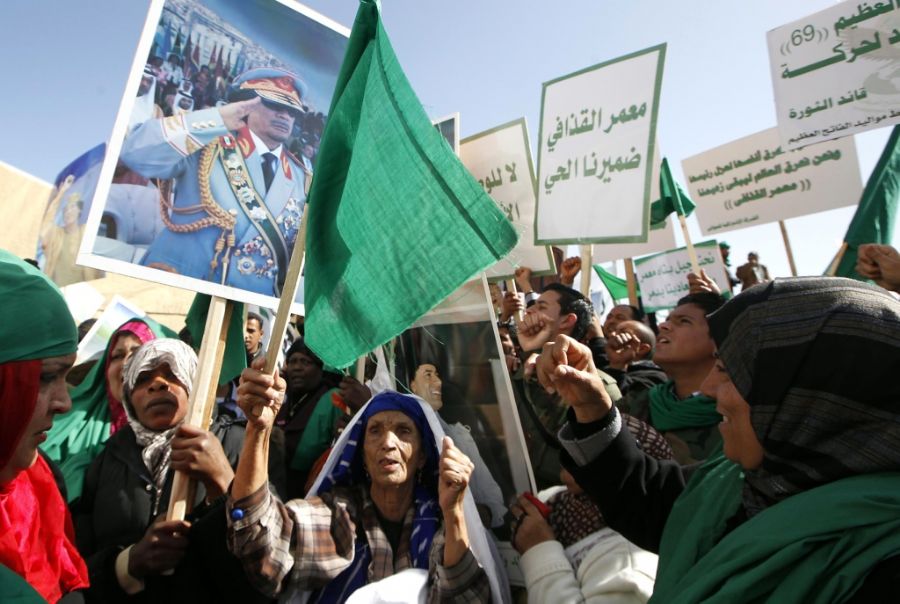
601 568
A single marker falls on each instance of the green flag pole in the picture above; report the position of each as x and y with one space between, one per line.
288 293
692 253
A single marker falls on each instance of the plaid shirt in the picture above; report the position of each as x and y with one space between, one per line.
312 540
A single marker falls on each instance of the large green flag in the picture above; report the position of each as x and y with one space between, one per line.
876 214
617 287
396 223
672 198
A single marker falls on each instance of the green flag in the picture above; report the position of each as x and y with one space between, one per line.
876 214
235 359
617 287
396 223
672 198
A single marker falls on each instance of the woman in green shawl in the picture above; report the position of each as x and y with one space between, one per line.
97 411
804 505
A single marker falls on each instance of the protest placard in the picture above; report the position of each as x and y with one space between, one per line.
500 159
219 127
756 180
663 277
596 141
834 72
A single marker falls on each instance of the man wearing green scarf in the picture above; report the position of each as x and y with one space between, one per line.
560 310
685 351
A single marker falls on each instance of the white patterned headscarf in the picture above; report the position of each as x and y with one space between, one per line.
155 446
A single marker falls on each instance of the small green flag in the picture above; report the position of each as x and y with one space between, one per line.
876 214
617 287
672 198
235 359
396 223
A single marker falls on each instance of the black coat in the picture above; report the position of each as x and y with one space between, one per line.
117 506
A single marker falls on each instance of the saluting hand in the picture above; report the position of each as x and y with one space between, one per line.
235 114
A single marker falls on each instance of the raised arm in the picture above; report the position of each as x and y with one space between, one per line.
635 492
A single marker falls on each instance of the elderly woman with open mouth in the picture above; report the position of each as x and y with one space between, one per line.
392 497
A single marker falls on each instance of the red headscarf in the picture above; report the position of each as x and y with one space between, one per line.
36 534
140 330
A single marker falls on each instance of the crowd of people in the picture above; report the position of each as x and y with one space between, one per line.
739 450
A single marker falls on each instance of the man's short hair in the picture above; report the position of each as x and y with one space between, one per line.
708 301
252 316
572 301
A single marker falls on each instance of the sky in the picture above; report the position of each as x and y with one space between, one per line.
67 62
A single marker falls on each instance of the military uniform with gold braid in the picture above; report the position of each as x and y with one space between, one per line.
221 223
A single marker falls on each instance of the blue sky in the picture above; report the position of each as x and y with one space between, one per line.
67 62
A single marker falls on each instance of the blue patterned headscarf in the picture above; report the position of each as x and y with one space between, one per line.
349 470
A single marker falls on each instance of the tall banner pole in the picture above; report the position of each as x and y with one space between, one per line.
787 248
587 255
203 396
692 253
837 260
631 282
511 287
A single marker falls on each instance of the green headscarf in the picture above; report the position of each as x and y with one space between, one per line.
78 436
37 323
668 412
816 546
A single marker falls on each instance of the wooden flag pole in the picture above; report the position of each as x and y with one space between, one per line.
787 248
587 257
692 253
361 369
203 396
511 286
837 260
288 293
631 282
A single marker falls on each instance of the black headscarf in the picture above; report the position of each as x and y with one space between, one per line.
818 360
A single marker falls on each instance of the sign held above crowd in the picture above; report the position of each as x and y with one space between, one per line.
595 151
663 277
219 130
500 159
833 72
757 180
